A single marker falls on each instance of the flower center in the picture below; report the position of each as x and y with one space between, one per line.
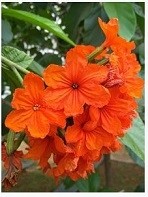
36 107
75 86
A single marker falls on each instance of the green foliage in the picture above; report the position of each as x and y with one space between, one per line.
20 30
135 158
50 59
36 68
7 34
127 22
44 23
89 185
84 26
76 14
93 33
16 56
134 138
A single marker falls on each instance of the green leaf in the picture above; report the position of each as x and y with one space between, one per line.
9 77
7 34
75 15
89 185
138 9
134 138
126 16
141 52
37 20
68 183
36 68
50 59
135 158
93 34
17 56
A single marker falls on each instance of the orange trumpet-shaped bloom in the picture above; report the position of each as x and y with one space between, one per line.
110 30
112 39
110 116
31 111
86 135
128 69
72 166
42 149
75 84
123 69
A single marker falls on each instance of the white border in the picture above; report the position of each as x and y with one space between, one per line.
114 194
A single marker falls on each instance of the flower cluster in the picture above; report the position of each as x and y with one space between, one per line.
76 112
13 166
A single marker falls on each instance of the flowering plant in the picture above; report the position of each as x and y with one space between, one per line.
74 113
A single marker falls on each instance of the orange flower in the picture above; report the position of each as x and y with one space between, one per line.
86 135
119 106
72 166
31 111
43 149
13 166
123 70
75 84
112 39
129 68
110 30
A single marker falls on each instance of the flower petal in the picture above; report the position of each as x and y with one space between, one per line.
22 99
33 84
91 140
76 62
59 144
33 80
73 134
74 103
110 30
37 149
17 120
94 73
56 98
133 86
103 137
95 95
38 125
57 118
94 118
111 123
81 50
55 77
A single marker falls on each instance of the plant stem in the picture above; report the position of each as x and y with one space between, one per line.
13 145
19 140
103 61
10 63
17 74
96 52
10 142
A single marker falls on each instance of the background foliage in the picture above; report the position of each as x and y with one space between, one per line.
34 42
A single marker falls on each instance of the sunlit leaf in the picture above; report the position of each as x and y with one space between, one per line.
89 185
37 20
16 56
134 138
